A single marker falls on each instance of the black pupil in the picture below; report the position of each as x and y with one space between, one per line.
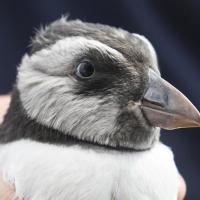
85 69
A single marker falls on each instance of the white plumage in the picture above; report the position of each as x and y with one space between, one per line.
49 172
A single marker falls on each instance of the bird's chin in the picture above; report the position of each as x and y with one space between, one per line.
133 130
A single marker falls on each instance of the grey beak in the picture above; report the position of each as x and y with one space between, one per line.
166 107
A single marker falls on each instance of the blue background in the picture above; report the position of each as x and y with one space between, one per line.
172 26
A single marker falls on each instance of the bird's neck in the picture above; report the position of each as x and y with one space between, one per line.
18 125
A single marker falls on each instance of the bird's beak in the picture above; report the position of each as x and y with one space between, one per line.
166 107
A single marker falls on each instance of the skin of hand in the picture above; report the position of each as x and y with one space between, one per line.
7 192
4 103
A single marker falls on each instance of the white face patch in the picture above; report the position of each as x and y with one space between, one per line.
48 97
151 50
58 58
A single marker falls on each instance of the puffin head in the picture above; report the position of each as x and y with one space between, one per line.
99 84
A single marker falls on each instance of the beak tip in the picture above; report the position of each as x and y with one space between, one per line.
199 121
196 121
192 120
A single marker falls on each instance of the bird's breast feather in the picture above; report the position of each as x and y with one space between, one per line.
79 173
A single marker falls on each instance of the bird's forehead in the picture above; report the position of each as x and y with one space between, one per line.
62 28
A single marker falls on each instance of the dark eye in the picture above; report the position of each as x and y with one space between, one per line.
85 70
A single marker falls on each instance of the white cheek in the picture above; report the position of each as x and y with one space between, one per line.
51 101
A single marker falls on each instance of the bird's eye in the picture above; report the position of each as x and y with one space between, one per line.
85 70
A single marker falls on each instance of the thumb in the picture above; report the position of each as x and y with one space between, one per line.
182 189
6 192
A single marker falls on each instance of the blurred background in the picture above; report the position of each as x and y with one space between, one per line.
172 26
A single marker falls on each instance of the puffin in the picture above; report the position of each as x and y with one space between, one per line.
85 117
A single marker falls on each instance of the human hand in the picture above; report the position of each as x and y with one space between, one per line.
7 192
4 103
182 189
